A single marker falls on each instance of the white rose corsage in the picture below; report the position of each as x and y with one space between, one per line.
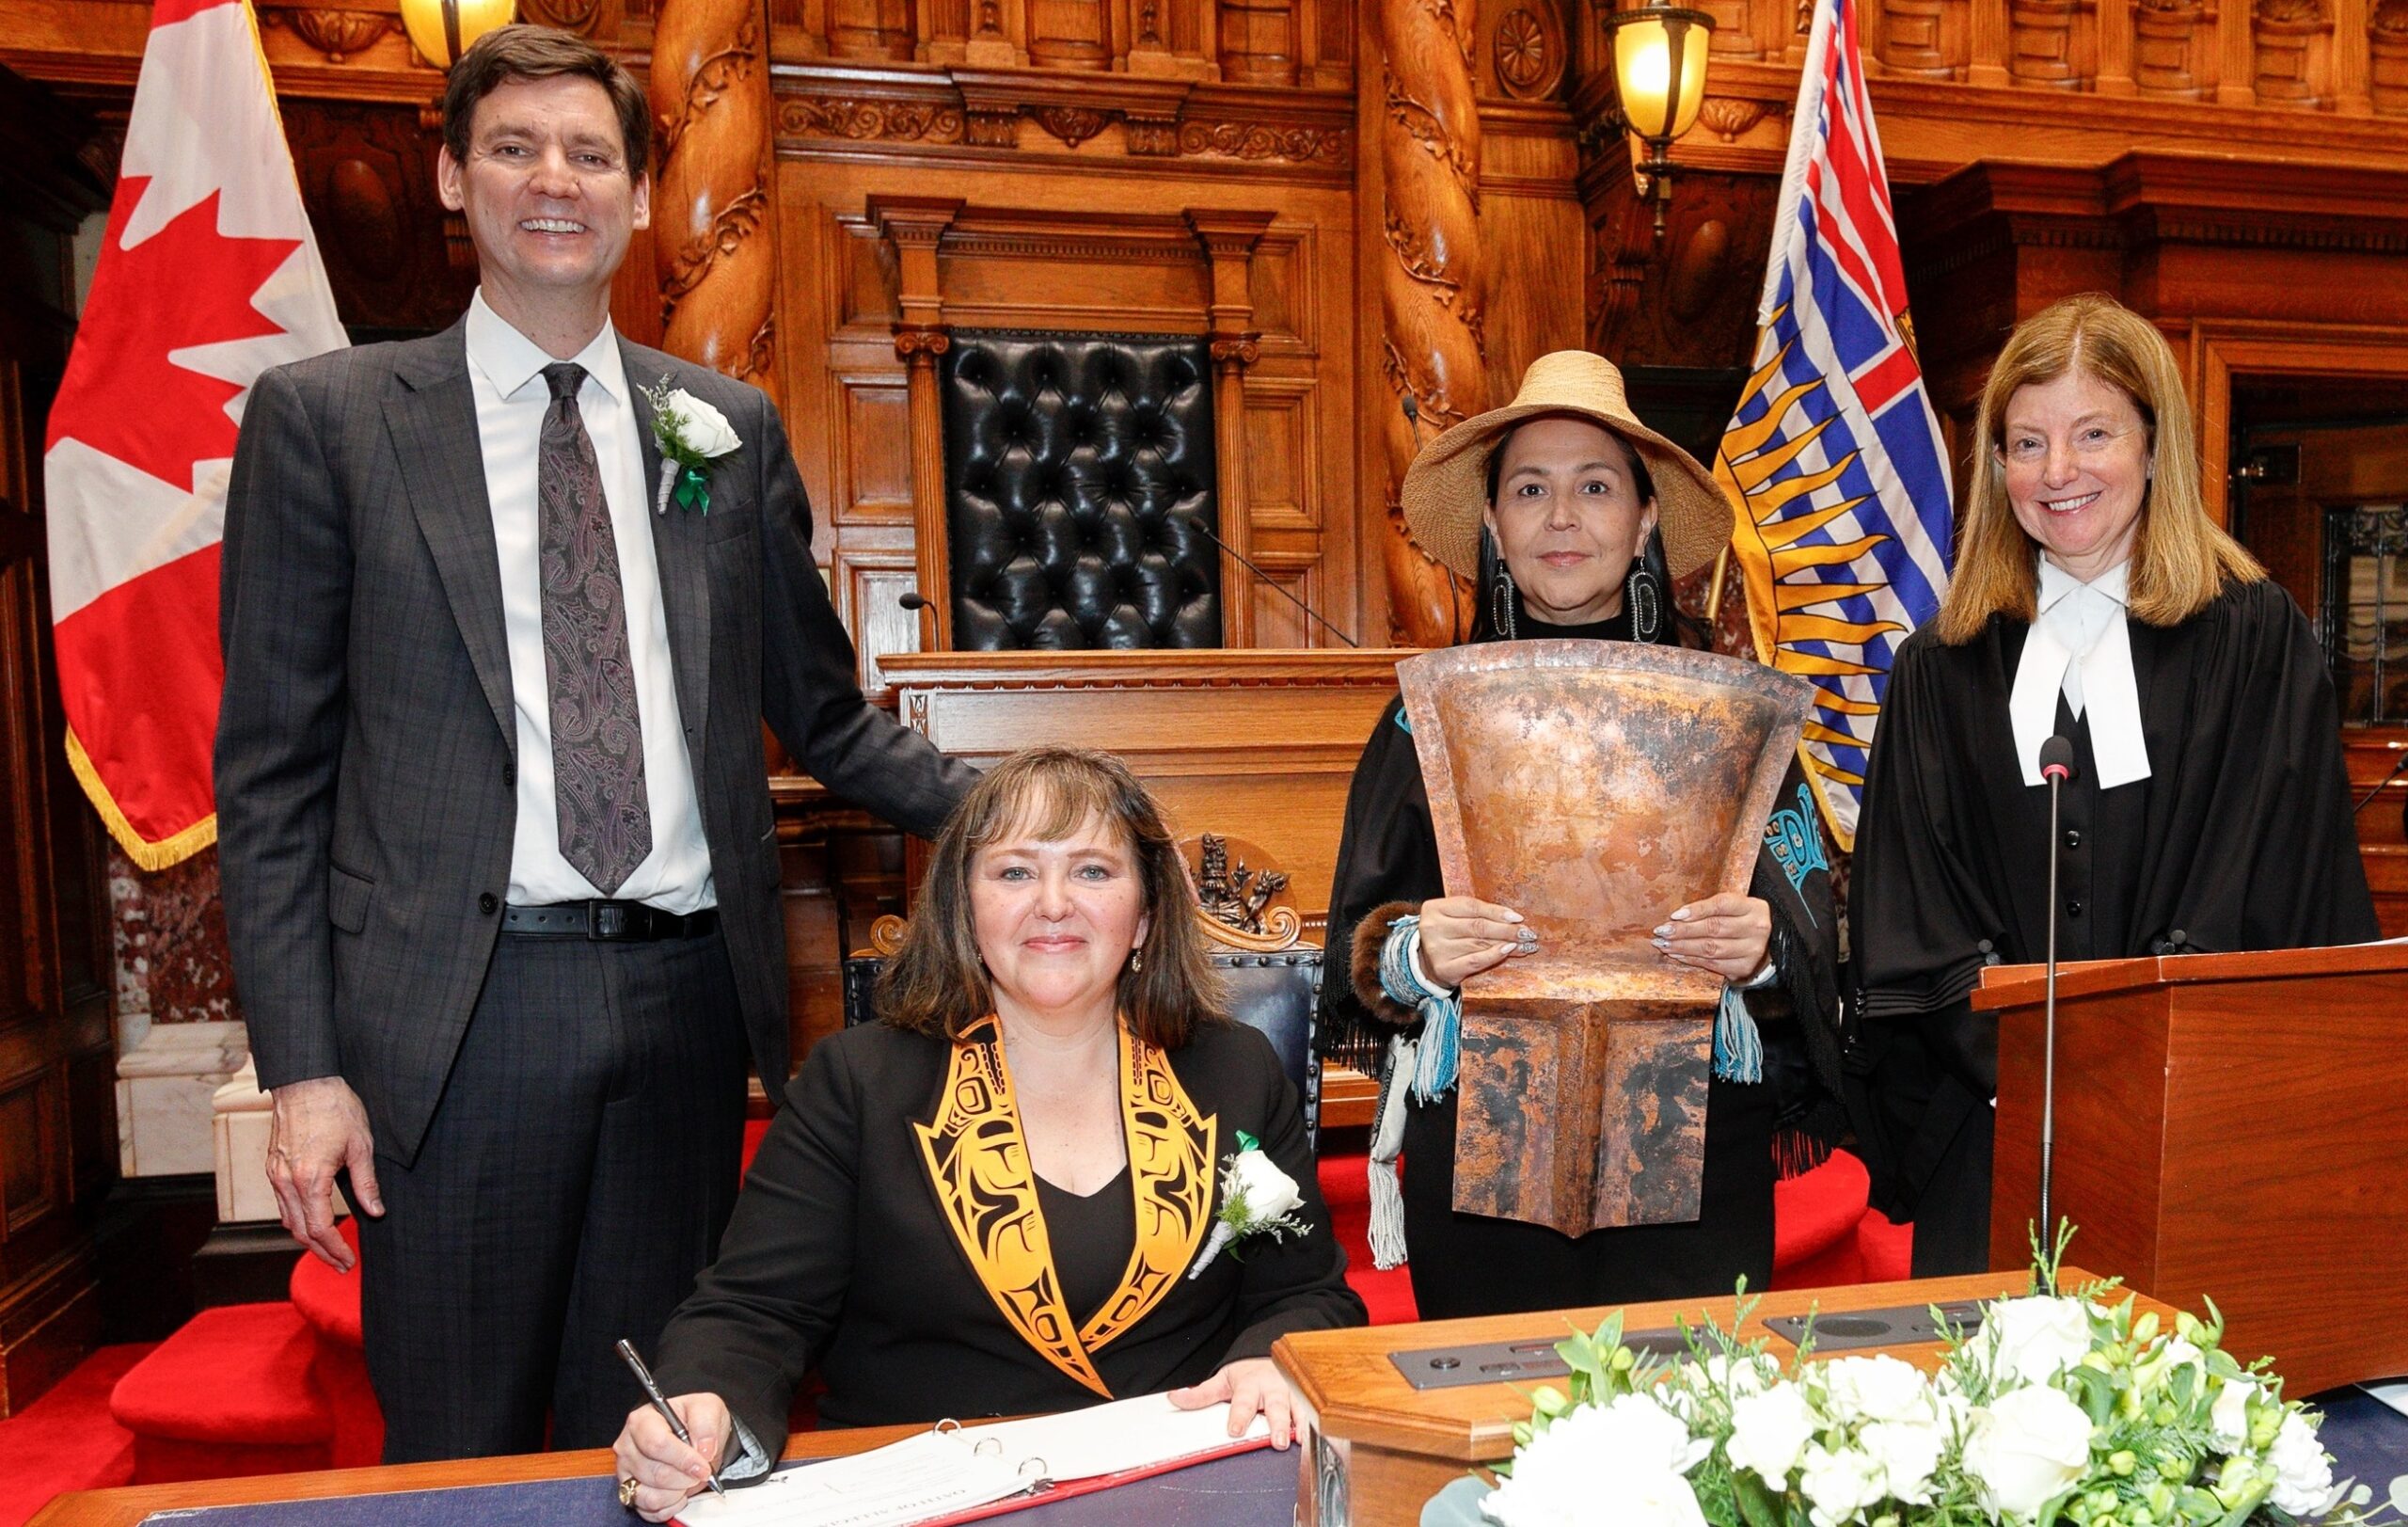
1257 1199
691 435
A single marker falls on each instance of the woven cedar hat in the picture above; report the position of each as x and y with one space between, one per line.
1448 486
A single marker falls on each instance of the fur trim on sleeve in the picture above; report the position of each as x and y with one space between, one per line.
1370 935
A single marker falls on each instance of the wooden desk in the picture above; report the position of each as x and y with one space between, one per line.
126 1506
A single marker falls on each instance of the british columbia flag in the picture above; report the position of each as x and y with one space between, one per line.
1834 457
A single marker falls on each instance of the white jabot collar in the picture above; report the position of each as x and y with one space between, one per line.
2081 647
511 360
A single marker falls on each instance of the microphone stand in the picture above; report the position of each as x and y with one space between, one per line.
2056 774
2367 800
1195 523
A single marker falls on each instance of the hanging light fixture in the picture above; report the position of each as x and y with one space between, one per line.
1660 76
441 30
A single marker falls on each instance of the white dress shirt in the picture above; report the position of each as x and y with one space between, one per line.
2081 647
505 370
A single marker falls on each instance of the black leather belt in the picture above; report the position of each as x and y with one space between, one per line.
615 921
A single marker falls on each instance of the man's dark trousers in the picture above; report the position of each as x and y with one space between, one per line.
591 1075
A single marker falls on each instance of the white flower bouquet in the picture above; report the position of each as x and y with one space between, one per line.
2060 1410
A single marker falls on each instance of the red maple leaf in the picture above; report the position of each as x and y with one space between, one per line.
186 284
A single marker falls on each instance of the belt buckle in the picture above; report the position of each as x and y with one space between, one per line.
605 920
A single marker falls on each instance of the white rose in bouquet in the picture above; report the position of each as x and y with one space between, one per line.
2229 1415
1909 1453
2026 1446
2035 1340
1878 1389
2303 1470
1839 1487
1768 1431
1622 1462
704 428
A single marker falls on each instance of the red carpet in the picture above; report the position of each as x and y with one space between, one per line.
67 1439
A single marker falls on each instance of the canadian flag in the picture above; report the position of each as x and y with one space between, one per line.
208 277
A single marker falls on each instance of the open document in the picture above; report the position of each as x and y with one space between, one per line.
949 1472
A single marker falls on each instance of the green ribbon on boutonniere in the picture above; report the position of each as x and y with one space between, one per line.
690 435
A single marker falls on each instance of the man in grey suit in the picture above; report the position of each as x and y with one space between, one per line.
499 870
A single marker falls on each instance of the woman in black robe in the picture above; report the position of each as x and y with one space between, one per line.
2208 809
1573 516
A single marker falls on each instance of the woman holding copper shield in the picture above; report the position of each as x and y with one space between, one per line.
1573 516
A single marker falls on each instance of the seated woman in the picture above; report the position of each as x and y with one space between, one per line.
2209 810
991 1203
1573 516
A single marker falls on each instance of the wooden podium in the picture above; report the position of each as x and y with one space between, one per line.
2233 1125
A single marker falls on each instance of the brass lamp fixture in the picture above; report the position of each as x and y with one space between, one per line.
441 30
1659 76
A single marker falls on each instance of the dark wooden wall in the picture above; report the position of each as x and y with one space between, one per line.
57 1056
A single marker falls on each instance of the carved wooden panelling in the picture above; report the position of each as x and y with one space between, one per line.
865 305
1282 455
1283 286
1279 624
874 586
29 1160
876 425
1008 283
367 175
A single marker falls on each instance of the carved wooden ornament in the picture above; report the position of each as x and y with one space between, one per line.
1593 787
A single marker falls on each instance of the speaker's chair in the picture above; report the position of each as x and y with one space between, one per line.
1076 467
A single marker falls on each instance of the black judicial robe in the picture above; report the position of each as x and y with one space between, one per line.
1467 1264
2239 839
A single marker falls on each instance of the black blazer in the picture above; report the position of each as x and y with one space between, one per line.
840 1257
366 763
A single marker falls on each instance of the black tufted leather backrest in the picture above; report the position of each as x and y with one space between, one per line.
1072 463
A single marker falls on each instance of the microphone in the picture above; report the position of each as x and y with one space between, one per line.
914 600
1195 523
2056 767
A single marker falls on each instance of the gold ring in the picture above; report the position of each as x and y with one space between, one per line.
628 1492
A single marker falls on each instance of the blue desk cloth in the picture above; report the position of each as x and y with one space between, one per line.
1251 1490
2369 1440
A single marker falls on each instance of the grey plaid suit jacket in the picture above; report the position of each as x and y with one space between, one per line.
366 758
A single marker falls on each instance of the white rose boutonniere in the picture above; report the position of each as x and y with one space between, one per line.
1257 1199
691 435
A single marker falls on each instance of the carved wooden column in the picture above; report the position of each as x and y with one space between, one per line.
1910 41
713 225
1989 43
1229 239
1430 285
2286 30
2352 83
2042 47
2164 50
870 29
2115 76
2236 59
1258 42
2387 37
914 226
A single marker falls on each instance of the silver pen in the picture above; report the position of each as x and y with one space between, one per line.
661 1403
